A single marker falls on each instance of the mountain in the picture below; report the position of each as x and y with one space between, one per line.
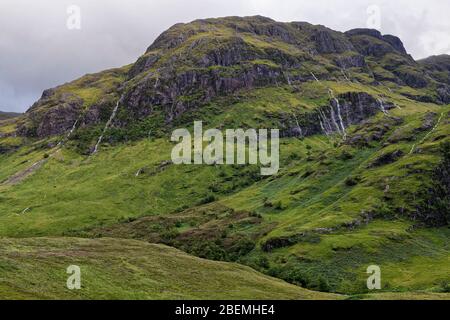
364 156
192 64
8 115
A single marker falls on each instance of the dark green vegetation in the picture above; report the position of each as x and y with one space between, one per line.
372 189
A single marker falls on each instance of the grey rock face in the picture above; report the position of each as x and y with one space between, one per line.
444 94
143 63
363 31
327 42
366 46
59 120
353 108
227 53
231 54
395 42
387 158
351 61
166 93
173 37
369 48
412 79
54 119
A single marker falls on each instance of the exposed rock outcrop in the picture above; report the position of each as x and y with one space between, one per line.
47 118
329 42
189 65
345 110
167 93
387 158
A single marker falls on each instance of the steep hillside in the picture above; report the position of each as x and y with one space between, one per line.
124 269
364 155
191 65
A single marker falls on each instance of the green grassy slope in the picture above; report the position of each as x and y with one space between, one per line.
35 268
78 195
8 115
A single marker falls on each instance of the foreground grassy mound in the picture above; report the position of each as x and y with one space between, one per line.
35 268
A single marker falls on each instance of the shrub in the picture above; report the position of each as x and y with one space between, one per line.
169 235
208 199
434 208
352 181
445 287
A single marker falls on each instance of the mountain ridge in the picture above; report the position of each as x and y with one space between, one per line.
234 49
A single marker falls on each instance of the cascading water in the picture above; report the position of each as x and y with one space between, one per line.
325 124
69 133
382 107
73 129
36 165
340 127
298 125
113 115
345 75
288 79
323 128
428 134
338 106
314 76
333 119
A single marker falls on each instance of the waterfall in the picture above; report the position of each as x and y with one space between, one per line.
345 76
344 133
288 79
382 107
138 173
428 134
314 76
331 93
298 125
322 124
73 129
69 133
333 118
325 124
323 128
113 115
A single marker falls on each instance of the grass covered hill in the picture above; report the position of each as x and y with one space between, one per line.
363 177
126 269
8 115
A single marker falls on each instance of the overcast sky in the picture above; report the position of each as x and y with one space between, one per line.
38 51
